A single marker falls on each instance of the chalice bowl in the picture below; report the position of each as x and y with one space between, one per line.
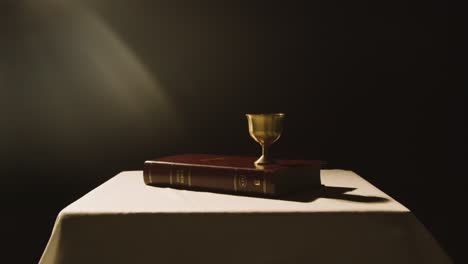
266 129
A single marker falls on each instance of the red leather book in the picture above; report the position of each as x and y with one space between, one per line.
232 174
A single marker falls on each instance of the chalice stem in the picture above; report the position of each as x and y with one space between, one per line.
265 156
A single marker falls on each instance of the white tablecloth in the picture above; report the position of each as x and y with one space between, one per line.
348 221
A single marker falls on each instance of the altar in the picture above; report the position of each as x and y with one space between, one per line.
347 221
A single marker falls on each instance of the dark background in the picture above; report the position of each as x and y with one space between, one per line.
92 88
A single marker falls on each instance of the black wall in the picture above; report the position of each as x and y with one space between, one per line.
91 88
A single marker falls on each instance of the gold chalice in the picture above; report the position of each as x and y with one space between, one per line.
266 129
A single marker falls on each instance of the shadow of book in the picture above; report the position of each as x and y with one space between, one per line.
330 192
308 195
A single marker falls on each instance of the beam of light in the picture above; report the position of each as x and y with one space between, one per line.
71 91
72 74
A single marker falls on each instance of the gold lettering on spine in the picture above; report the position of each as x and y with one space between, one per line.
170 176
243 181
189 177
264 184
235 181
180 178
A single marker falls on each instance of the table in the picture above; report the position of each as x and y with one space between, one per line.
348 221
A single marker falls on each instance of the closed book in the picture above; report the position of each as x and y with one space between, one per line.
232 174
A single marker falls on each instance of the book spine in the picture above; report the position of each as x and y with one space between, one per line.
208 178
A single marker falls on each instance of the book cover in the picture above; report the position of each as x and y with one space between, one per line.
232 174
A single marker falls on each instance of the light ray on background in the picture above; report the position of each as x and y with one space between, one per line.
76 38
70 85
